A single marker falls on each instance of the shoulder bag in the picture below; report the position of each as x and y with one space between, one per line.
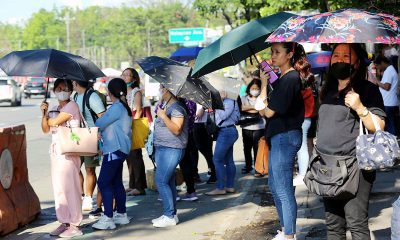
332 176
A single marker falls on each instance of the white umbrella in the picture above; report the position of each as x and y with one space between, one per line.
111 72
230 85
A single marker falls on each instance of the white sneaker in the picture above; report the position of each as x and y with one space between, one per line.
159 218
298 180
120 218
87 203
104 223
279 236
165 222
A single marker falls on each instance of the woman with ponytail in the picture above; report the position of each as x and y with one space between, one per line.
307 85
284 112
115 127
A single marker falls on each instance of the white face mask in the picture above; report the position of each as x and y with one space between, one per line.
63 96
255 93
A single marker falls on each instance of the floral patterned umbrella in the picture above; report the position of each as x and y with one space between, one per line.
341 26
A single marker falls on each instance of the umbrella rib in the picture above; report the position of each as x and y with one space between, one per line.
48 62
78 66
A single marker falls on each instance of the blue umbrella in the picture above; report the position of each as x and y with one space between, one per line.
319 61
185 54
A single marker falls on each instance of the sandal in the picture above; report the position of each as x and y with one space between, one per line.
258 175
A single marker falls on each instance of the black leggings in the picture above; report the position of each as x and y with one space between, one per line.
250 142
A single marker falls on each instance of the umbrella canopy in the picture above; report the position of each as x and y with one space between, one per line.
319 61
341 26
49 63
185 54
175 77
230 85
238 44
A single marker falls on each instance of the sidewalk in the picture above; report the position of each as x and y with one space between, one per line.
247 214
385 191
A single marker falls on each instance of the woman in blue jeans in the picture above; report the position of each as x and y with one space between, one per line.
170 140
223 153
284 111
115 127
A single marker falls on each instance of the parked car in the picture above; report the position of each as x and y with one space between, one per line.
36 86
10 91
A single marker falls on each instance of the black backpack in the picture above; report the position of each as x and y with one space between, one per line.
86 97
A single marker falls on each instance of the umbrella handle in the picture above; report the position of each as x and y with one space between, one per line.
47 90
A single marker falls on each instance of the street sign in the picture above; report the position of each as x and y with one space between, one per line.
183 35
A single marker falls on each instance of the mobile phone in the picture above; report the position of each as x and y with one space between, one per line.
267 68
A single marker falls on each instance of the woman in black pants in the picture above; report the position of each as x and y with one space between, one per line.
254 131
346 99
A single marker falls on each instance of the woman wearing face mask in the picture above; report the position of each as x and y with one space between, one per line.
132 80
171 130
115 126
284 112
346 99
253 132
64 168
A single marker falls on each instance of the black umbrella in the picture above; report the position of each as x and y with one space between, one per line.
49 63
175 77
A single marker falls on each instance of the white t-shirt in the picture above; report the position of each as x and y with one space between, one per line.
390 97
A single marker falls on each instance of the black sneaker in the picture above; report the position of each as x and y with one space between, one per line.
212 180
95 213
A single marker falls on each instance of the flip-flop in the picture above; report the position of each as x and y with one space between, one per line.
135 193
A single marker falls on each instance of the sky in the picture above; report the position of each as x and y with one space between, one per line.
13 11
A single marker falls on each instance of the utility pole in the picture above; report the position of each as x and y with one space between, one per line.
20 44
58 43
83 43
67 20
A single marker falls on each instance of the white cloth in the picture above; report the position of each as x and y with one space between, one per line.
259 104
203 119
390 97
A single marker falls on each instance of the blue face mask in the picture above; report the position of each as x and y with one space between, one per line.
129 84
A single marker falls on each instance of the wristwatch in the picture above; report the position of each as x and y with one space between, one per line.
364 113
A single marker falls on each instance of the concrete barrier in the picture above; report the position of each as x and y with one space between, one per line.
19 203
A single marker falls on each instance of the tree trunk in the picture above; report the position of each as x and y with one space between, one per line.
324 6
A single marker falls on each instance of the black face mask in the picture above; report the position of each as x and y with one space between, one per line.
341 70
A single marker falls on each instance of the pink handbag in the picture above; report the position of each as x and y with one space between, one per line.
81 141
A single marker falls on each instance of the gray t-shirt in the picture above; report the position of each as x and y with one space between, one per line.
163 136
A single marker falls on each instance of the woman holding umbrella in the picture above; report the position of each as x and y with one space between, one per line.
284 111
346 99
64 168
170 140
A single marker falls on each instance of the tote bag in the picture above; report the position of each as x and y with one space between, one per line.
140 132
261 165
378 150
78 141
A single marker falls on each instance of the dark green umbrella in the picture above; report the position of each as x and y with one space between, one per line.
238 44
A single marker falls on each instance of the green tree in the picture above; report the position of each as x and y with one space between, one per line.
43 30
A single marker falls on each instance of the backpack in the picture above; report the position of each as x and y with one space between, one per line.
86 97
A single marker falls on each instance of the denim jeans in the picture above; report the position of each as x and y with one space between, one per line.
110 184
283 149
223 157
302 155
167 159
